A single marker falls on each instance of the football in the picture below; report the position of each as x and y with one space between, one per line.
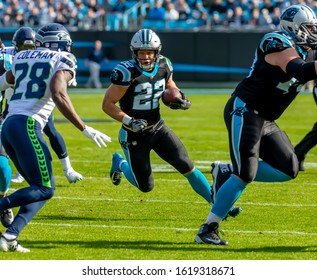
171 95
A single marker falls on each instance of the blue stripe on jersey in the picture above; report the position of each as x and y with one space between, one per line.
286 42
125 72
236 129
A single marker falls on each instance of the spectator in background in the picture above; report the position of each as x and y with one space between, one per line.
120 6
276 17
267 4
157 12
171 13
265 19
101 17
231 4
216 6
183 9
94 59
215 20
33 18
228 19
238 18
199 12
255 17
48 17
89 21
20 18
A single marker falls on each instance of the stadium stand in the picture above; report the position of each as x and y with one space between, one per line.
127 15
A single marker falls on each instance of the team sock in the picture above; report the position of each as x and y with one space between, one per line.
200 184
227 195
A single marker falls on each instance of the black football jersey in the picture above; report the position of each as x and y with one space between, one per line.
144 89
267 89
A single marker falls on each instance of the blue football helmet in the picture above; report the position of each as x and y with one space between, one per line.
24 39
54 36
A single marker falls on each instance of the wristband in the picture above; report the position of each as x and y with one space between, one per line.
126 119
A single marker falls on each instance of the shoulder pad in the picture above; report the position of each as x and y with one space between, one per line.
275 42
121 74
166 60
69 59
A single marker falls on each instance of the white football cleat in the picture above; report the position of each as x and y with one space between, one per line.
17 178
73 176
11 246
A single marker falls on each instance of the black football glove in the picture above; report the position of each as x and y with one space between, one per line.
182 103
137 125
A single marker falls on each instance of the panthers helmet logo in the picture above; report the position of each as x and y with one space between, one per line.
290 14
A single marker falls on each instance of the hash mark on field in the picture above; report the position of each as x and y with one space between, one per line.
176 229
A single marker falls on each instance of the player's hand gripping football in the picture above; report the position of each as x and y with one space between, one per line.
137 125
98 137
182 103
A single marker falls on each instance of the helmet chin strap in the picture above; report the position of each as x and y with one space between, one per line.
146 67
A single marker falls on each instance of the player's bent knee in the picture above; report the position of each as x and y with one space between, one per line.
47 192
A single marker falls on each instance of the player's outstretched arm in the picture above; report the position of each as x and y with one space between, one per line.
58 87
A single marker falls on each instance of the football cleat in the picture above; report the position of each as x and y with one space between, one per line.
209 234
11 246
115 171
220 174
234 212
17 178
6 217
72 176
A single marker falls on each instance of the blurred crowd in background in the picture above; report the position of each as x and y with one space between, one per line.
94 14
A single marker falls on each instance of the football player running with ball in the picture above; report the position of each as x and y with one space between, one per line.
138 85
40 78
252 109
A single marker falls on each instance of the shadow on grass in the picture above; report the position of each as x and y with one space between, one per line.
165 246
104 219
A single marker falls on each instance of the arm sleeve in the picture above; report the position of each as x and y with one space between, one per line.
301 70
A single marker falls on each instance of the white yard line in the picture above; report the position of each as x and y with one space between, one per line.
174 229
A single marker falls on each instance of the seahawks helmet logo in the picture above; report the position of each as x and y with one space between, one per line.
63 36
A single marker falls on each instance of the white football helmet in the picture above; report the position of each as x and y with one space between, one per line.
300 22
145 39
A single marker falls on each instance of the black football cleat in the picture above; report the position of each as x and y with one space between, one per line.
209 234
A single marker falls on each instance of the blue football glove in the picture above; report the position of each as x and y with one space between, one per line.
182 103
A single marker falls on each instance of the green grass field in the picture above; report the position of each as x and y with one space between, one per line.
94 220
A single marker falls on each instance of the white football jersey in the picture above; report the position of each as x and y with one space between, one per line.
33 71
